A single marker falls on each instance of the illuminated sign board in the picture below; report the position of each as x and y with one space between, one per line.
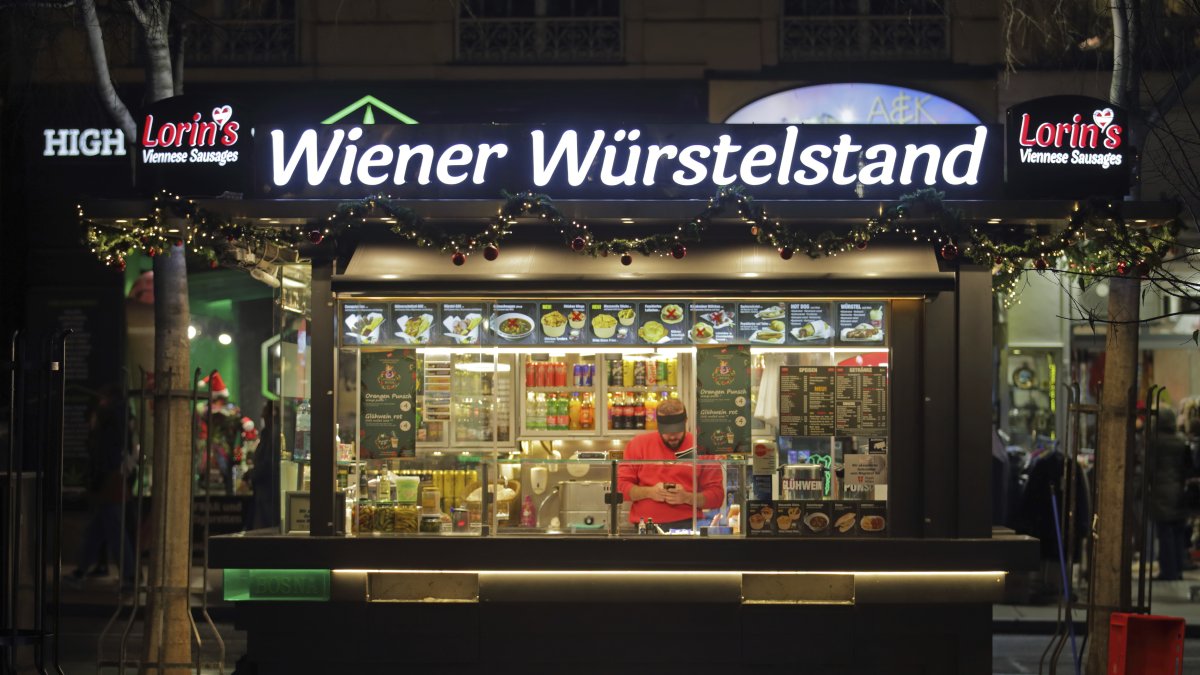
1067 146
191 145
631 162
852 103
83 143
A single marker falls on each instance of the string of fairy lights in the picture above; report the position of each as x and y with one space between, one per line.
1096 240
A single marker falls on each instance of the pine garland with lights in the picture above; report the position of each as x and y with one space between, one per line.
1096 241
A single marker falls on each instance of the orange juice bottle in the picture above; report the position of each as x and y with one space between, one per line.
574 412
651 412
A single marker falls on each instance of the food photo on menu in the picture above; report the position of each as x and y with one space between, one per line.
810 322
363 328
613 323
861 322
512 323
775 333
712 322
463 329
762 324
414 329
662 323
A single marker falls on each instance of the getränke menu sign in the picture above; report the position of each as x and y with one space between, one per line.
629 162
1067 146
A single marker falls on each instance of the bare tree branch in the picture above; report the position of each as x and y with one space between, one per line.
108 94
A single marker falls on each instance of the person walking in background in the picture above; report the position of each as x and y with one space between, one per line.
107 487
263 477
1170 469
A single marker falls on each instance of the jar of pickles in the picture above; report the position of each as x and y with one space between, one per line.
366 517
385 518
406 517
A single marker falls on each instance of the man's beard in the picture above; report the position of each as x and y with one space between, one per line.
671 446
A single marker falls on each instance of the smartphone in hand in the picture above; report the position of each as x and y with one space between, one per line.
669 486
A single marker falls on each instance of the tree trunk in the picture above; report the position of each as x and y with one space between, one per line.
1112 552
168 630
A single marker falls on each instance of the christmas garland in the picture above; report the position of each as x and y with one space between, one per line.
1096 241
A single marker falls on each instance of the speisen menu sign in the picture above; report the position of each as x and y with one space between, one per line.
194 146
628 162
1067 147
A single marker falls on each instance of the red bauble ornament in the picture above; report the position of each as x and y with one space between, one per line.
121 264
678 251
315 236
212 264
1122 268
860 244
950 251
458 258
786 253
998 261
229 238
1041 264
491 252
626 259
577 244
151 251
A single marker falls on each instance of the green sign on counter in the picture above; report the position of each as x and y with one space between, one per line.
722 399
387 403
257 584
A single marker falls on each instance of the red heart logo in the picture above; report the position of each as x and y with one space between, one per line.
1102 118
221 114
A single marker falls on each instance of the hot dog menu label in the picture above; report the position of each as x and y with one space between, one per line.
810 323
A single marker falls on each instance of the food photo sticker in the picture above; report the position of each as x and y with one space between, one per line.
610 322
815 519
514 323
663 323
872 521
760 323
845 517
810 323
365 324
461 324
760 519
563 323
413 324
862 323
788 518
712 322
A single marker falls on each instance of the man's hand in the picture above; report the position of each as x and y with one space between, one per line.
680 496
655 492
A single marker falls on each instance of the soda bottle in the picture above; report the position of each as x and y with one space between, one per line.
530 410
651 373
661 375
627 374
591 372
639 413
615 369
639 373
587 413
529 375
611 410
672 368
651 412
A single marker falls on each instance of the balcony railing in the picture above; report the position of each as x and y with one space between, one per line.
255 42
540 40
826 38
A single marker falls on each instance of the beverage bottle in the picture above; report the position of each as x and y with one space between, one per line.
574 412
539 413
528 512
576 376
661 375
651 373
591 372
614 373
303 429
651 412
587 413
560 412
560 372
672 368
611 412
551 412
627 373
639 413
626 412
639 373
529 374
530 410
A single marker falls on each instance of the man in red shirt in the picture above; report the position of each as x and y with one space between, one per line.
668 492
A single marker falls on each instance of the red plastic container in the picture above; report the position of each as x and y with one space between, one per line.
1145 644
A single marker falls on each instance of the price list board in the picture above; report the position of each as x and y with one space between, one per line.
806 400
861 400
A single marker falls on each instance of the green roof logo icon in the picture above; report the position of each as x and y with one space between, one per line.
368 104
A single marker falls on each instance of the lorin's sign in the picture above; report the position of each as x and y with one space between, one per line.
629 162
1067 146
192 146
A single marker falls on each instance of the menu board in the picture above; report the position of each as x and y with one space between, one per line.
663 323
563 322
387 403
810 323
722 399
861 323
762 323
806 400
514 323
713 322
612 323
461 324
412 324
365 323
861 400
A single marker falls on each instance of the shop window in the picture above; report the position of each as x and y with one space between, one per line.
818 30
542 31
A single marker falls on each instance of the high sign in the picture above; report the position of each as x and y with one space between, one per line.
1067 147
194 146
631 162
83 143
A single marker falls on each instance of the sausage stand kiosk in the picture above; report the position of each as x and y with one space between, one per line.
454 431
